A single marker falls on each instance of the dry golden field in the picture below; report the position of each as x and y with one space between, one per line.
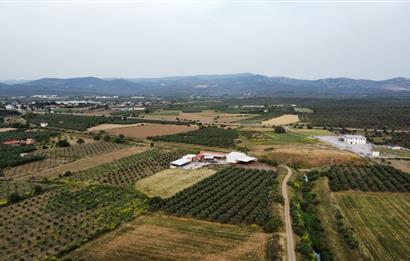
282 120
170 181
156 237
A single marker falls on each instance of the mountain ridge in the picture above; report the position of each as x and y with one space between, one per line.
242 84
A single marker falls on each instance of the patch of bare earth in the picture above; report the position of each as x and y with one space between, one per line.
107 126
7 129
150 130
403 165
282 120
85 163
309 155
156 237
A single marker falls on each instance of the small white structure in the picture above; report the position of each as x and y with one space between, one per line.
43 124
354 139
239 157
375 154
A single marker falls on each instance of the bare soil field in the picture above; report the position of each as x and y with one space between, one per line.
381 222
106 126
156 237
147 130
282 120
313 155
170 181
85 163
7 129
403 165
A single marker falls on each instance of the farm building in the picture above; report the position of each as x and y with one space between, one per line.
354 139
182 161
239 157
209 157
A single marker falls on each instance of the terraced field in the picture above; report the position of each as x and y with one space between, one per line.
381 221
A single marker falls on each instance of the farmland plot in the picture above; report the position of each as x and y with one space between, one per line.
381 221
156 237
58 156
58 221
233 195
368 178
129 170
170 181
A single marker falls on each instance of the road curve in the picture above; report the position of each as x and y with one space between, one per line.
288 221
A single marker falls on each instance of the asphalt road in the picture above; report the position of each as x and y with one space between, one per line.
288 221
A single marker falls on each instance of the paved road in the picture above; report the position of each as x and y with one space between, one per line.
288 221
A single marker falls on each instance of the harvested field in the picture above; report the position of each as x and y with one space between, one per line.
170 181
381 222
282 120
150 130
7 129
156 237
87 163
107 126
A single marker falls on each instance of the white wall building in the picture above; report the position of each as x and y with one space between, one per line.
354 139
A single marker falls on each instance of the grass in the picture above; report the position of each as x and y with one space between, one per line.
287 138
158 237
381 221
303 109
311 132
164 113
398 153
170 181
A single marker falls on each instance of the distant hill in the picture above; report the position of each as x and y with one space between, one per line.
245 84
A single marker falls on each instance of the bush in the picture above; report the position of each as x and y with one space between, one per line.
279 129
14 197
63 144
80 141
107 138
37 189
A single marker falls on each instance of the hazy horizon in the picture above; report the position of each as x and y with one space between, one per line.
303 41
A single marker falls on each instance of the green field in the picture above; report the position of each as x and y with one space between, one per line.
311 132
381 221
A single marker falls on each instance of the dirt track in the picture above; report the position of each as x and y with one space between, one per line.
288 222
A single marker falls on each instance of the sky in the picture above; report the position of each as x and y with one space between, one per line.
131 40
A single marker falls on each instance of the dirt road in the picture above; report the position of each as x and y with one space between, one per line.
288 221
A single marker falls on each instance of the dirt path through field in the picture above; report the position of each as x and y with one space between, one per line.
288 221
85 163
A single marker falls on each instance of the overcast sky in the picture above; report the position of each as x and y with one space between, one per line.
309 40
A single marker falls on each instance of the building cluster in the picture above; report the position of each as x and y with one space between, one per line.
203 158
